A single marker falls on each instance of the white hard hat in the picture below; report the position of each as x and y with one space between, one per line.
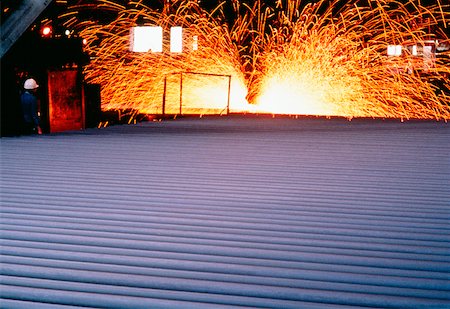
30 84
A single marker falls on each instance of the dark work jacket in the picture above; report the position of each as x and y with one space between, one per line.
29 108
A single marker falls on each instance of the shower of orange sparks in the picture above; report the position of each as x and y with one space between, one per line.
321 64
136 80
295 59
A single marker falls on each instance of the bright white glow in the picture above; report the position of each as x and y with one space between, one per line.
284 96
46 30
195 42
176 39
414 50
394 50
146 39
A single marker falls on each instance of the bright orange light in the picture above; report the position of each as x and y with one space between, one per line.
308 91
320 65
310 59
210 94
290 97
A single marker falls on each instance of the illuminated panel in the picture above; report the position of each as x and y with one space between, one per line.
394 50
176 39
195 42
146 39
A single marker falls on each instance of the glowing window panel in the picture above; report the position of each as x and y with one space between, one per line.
146 39
176 39
394 50
195 42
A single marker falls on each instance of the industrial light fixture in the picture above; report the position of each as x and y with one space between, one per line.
146 39
176 39
394 50
46 31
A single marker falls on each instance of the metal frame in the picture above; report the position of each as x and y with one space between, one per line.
181 89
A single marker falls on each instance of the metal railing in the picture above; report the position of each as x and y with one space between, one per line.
181 89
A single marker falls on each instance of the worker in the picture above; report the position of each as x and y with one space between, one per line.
29 104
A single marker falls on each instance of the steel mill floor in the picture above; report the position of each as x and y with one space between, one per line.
223 212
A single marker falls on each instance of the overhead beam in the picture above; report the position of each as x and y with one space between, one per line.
17 23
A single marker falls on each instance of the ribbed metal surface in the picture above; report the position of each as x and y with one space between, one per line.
228 212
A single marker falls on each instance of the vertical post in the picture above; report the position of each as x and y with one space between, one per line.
164 96
181 92
229 92
83 105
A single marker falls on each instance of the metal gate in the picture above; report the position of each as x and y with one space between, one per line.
182 93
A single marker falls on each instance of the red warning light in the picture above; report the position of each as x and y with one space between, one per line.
46 31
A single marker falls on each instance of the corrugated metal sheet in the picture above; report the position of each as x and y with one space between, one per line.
228 212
